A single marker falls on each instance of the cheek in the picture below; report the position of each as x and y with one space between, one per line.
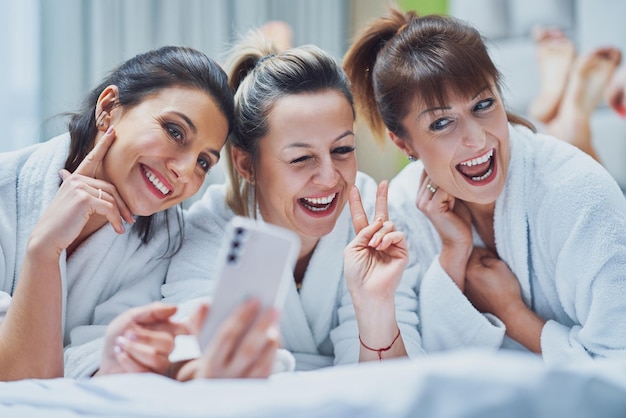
194 186
348 169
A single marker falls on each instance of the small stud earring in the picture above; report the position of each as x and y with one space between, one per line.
412 158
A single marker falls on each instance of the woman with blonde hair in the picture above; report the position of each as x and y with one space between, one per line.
292 163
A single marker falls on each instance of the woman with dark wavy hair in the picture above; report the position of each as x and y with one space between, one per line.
89 218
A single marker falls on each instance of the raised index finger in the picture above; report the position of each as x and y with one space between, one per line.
91 162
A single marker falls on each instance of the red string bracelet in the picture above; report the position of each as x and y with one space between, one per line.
380 351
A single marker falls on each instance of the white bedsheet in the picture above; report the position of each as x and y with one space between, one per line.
456 384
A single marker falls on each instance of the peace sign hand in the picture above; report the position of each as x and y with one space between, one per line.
376 258
79 198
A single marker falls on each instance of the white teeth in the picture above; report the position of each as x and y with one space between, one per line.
320 200
326 201
484 176
314 209
157 183
480 160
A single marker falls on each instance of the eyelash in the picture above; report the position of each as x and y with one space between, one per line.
174 132
481 106
487 102
339 150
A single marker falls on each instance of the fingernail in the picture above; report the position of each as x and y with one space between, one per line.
117 349
373 242
108 132
130 335
121 341
273 334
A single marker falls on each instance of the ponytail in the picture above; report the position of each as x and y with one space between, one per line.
360 61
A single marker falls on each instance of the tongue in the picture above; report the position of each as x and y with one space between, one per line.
475 170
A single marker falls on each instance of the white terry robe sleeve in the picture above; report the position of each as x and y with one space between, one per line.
447 319
579 237
450 321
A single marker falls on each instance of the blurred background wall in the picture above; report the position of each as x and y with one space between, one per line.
54 51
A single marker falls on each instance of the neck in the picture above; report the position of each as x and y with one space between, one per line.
482 219
306 251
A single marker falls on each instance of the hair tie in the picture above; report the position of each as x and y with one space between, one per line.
264 58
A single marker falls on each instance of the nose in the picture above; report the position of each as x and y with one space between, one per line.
327 173
474 136
183 166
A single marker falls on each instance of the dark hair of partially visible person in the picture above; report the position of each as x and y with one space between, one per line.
401 57
260 74
137 79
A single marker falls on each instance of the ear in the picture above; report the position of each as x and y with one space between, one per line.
403 145
243 163
106 101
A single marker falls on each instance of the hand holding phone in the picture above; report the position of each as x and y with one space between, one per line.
256 260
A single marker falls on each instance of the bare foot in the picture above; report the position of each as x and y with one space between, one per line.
615 93
555 54
279 33
588 80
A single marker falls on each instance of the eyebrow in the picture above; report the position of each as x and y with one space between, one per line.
432 109
187 120
305 145
216 153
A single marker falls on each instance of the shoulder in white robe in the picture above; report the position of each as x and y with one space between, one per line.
107 274
560 225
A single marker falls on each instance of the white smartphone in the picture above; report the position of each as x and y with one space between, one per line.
256 259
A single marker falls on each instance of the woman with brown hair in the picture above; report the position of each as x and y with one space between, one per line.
510 232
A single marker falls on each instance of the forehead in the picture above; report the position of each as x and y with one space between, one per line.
306 117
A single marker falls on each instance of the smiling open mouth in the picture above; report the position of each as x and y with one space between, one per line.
318 204
155 181
479 168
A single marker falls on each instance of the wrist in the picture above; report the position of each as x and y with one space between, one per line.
41 250
453 261
380 349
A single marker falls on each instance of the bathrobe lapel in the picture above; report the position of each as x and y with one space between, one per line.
309 315
511 219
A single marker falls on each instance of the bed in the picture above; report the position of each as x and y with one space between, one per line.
456 384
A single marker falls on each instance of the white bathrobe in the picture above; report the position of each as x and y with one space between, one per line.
107 274
560 225
318 324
